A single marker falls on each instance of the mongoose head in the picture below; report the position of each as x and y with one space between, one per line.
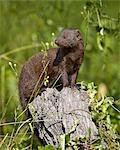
68 38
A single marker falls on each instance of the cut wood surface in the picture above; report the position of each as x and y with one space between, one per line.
65 112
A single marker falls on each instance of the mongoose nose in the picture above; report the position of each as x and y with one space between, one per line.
56 42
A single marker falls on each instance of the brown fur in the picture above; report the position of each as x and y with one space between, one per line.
63 66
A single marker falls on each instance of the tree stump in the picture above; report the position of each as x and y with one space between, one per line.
60 113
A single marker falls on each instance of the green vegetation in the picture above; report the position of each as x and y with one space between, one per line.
24 28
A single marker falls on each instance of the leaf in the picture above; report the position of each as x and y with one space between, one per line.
62 142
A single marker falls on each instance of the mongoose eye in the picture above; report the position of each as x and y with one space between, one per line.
64 36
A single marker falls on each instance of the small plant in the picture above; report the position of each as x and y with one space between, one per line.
101 113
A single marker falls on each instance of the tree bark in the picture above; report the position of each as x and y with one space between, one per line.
65 112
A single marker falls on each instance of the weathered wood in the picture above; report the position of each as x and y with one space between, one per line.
57 113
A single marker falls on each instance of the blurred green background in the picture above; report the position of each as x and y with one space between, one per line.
25 24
